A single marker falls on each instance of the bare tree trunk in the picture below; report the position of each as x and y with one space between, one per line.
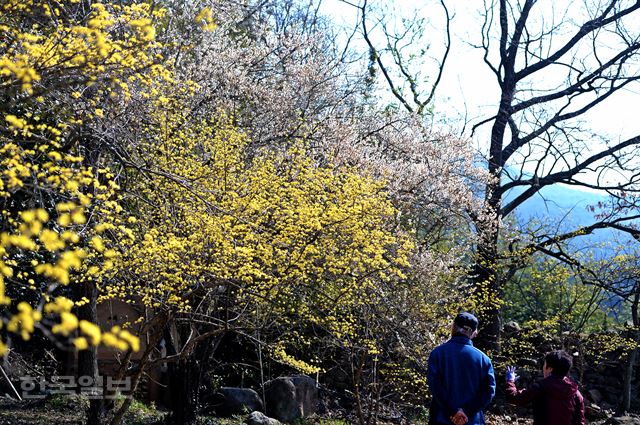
154 334
530 131
628 378
186 378
488 289
88 359
486 292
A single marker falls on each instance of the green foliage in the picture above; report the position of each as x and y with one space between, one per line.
210 420
65 401
600 346
548 294
140 414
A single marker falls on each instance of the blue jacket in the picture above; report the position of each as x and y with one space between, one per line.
459 376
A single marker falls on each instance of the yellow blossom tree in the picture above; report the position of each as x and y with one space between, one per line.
212 230
63 65
58 62
226 232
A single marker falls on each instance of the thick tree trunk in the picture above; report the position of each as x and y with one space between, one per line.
185 385
185 378
488 291
488 288
87 359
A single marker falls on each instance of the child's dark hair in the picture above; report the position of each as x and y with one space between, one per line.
560 361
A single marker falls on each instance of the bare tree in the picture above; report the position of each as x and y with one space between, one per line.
399 51
552 71
555 66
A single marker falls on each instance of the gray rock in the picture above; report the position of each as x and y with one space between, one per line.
291 398
280 396
623 420
306 394
511 327
529 362
593 412
259 418
230 401
595 395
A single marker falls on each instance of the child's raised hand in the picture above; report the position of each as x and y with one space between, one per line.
511 374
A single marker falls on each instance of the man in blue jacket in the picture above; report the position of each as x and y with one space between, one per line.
460 377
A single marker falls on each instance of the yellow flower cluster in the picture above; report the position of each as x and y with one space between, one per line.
23 322
409 383
275 223
273 228
67 233
205 19
52 242
49 47
280 354
120 339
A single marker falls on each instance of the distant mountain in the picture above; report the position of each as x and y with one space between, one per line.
564 208
560 203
